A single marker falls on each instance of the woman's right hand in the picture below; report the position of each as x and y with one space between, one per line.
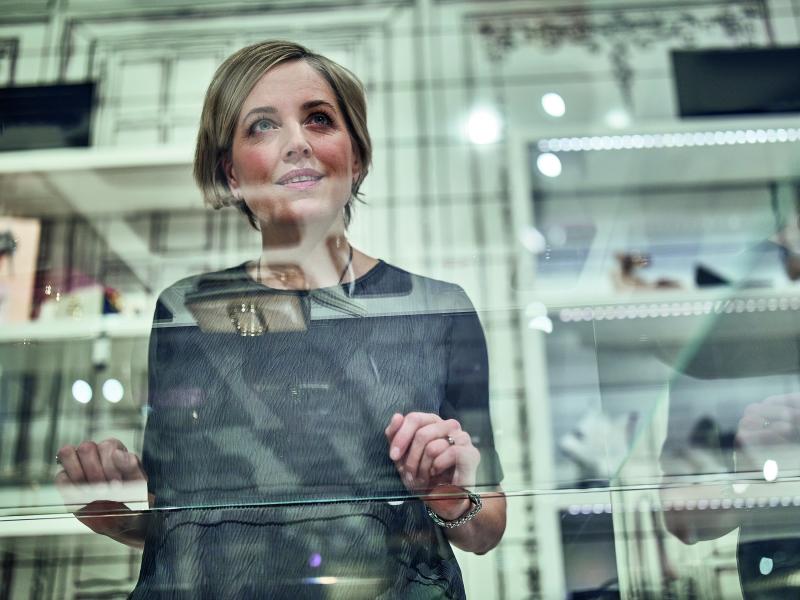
96 480
770 430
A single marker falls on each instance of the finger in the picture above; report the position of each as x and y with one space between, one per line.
764 426
791 400
68 457
446 460
394 424
105 449
90 462
432 451
63 481
463 456
402 439
70 492
766 422
129 465
423 436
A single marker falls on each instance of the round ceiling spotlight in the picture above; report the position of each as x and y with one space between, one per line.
548 164
82 391
113 390
483 126
554 105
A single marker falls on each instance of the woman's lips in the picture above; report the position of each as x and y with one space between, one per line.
300 179
302 183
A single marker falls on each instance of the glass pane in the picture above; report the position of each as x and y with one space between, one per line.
527 330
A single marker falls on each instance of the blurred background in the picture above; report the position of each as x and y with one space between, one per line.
606 180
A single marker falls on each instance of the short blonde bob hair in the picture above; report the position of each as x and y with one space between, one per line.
229 88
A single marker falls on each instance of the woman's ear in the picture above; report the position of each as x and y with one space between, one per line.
356 169
230 176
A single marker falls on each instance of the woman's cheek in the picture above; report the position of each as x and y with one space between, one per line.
335 154
258 169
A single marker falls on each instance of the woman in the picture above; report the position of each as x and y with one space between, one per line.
302 402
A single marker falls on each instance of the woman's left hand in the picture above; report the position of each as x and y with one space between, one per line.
421 449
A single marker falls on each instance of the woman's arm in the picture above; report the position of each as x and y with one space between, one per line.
437 457
117 521
691 526
90 473
482 533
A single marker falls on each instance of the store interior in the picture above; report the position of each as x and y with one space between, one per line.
615 184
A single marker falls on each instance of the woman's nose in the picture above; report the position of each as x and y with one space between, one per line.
297 145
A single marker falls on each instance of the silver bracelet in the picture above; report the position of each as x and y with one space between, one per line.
465 518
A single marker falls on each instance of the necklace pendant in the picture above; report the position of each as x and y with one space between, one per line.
247 320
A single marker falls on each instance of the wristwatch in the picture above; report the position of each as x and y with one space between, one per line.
477 504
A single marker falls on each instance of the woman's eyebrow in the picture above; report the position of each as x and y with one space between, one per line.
260 109
315 103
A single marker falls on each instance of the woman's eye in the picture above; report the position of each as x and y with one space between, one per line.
320 119
260 126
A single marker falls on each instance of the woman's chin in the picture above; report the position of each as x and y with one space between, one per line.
299 214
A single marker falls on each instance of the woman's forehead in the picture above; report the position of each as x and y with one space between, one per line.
288 83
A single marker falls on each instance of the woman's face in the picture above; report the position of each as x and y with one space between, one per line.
292 159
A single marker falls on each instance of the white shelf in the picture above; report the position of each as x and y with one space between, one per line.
556 300
114 326
80 159
91 181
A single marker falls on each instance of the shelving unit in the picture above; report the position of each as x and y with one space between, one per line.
660 330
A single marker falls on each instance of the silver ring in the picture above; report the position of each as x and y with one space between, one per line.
450 440
58 459
765 423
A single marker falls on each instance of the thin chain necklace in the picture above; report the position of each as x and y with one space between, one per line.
341 277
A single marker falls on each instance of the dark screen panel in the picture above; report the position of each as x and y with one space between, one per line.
737 81
46 116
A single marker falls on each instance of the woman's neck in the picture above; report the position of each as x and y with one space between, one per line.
292 261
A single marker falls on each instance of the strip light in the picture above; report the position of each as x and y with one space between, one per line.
689 505
677 309
669 140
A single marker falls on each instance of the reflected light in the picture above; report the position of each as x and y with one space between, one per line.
541 323
770 470
548 164
536 309
557 235
765 565
554 105
669 140
113 390
532 240
618 118
483 126
321 580
81 391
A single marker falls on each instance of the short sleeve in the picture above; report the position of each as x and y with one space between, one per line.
467 389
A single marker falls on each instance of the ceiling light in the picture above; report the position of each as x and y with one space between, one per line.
82 391
113 390
483 126
554 105
548 164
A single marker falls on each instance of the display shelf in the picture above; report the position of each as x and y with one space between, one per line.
98 180
76 159
113 326
676 299
694 331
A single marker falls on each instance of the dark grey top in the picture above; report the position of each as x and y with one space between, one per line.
268 453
